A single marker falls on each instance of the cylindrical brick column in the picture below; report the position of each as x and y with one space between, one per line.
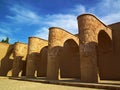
34 47
19 62
54 46
88 41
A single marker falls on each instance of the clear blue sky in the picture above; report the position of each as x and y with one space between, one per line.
20 19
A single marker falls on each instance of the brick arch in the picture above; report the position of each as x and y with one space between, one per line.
60 35
35 46
89 28
57 37
42 62
104 41
104 52
108 65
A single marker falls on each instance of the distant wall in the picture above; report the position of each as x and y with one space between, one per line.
6 59
37 57
63 58
19 63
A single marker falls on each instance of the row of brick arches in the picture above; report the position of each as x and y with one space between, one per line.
87 56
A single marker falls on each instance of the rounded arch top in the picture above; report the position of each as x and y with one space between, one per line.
57 36
60 29
71 43
90 26
33 37
104 39
104 34
93 16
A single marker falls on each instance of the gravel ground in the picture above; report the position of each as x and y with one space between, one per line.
7 84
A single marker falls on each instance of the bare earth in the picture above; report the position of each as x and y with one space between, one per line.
7 84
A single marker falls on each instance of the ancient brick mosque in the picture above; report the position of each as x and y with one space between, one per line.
90 56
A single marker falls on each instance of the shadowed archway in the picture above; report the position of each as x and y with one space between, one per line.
105 56
70 60
42 62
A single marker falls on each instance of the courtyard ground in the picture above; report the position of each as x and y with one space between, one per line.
8 84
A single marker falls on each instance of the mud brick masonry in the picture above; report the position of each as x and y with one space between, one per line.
91 55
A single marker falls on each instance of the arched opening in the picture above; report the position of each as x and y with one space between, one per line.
19 67
6 62
105 61
70 60
42 63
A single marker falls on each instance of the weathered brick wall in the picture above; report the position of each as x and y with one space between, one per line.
57 62
35 45
116 37
19 63
89 28
115 63
6 59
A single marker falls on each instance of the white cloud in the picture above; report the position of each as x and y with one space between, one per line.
2 37
42 33
108 11
78 9
112 11
65 21
23 15
4 31
112 18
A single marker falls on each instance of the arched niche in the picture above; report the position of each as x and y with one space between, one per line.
42 62
70 60
105 56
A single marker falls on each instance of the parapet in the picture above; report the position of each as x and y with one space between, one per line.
20 49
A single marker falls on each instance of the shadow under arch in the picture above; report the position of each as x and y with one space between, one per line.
106 63
19 67
41 64
6 63
70 60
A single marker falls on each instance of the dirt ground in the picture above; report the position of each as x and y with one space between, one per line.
8 84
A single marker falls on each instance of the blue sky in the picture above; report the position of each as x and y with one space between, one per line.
20 19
